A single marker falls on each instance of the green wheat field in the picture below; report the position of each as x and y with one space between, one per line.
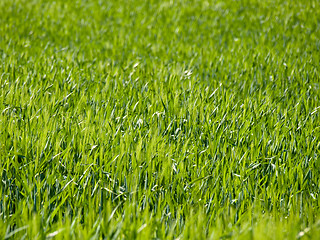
135 119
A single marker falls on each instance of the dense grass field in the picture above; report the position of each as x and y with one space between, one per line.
133 119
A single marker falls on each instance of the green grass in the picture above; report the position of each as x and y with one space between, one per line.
159 119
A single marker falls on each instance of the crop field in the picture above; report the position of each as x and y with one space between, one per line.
134 119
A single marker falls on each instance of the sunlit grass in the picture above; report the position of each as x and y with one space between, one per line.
159 119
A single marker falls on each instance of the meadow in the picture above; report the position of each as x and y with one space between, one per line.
133 119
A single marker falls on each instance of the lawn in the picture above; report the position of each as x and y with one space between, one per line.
134 119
